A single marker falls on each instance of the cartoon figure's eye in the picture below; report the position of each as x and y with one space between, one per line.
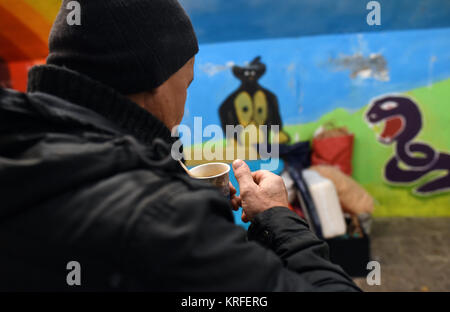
246 73
244 108
253 73
261 108
388 105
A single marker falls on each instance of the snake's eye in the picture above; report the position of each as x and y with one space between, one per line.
388 106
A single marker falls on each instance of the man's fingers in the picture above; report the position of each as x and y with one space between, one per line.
244 217
232 189
260 175
243 175
236 202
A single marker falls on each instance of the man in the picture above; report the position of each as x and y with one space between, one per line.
87 182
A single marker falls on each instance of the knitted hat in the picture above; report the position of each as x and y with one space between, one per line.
130 45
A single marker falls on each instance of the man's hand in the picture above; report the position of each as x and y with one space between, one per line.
260 191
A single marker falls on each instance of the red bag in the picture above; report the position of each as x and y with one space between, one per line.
333 147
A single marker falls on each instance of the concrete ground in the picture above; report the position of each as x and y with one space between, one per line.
414 254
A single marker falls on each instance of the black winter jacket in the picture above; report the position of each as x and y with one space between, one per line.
83 179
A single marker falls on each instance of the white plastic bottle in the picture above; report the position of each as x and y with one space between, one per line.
327 204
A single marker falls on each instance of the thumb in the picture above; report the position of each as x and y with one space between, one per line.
243 174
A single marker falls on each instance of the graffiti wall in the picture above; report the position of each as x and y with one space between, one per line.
390 89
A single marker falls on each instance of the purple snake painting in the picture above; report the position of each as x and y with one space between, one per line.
412 160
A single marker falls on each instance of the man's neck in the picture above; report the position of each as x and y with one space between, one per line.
81 90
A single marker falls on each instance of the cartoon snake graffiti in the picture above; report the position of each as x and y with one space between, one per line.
412 160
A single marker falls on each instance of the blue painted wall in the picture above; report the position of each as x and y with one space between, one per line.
232 20
300 42
299 71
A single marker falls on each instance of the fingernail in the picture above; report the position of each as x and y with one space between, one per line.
237 163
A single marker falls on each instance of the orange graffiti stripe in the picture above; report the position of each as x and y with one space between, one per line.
21 36
9 51
48 9
28 17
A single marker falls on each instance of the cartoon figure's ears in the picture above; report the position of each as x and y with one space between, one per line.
238 71
256 61
258 66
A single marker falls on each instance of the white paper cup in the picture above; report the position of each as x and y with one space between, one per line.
217 174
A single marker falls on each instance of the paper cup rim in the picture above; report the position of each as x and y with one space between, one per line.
214 176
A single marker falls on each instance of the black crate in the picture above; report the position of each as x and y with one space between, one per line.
351 253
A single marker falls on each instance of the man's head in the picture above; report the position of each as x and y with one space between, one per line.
166 102
144 49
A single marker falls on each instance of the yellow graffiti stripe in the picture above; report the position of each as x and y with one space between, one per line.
29 17
48 9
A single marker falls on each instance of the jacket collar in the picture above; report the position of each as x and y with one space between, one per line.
86 92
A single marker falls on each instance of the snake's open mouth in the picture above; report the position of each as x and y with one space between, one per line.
392 128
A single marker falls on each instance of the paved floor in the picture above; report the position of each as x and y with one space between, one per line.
414 254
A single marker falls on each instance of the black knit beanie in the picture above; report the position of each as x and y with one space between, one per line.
130 45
